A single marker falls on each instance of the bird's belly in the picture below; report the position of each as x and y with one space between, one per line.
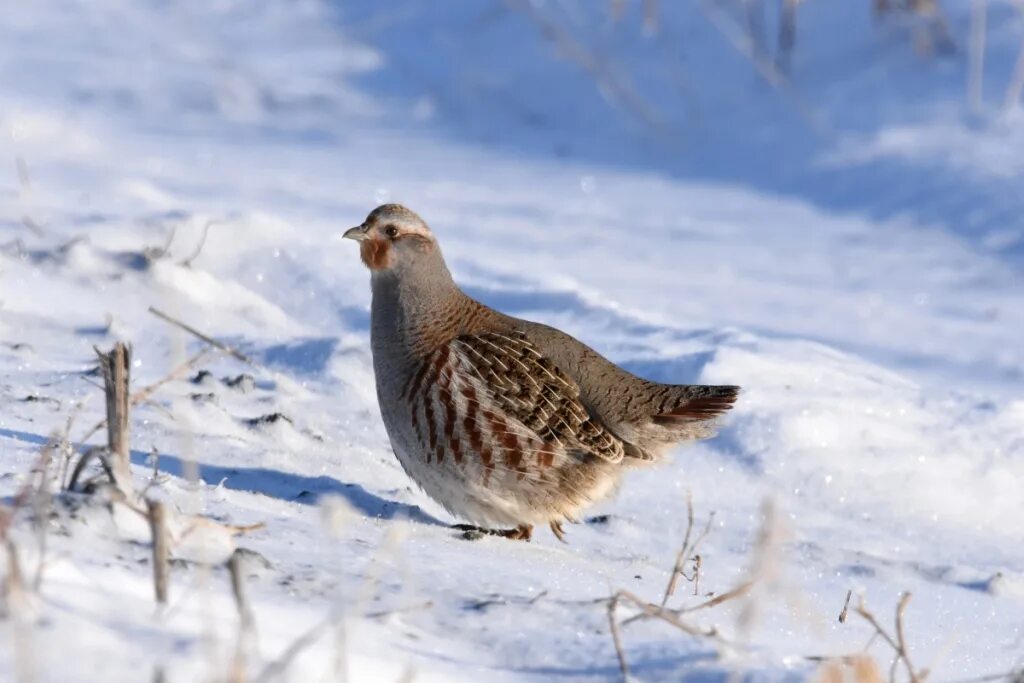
472 491
479 462
463 494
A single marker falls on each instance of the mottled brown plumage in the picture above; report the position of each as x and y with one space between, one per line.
503 421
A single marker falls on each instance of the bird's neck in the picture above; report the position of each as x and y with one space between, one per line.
413 307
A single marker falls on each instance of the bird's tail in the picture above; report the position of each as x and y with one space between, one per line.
687 414
697 403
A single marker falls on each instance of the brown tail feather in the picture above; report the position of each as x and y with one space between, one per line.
713 402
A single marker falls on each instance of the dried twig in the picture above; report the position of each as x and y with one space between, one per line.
98 452
238 589
246 620
16 603
41 503
277 667
379 614
199 247
22 497
25 183
687 553
846 607
765 68
675 617
677 568
618 88
897 642
613 626
143 394
161 549
204 337
116 378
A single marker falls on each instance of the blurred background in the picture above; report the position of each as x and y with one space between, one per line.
901 113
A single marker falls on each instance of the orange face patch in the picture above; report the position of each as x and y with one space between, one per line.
376 254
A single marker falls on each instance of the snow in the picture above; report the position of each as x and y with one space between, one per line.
862 283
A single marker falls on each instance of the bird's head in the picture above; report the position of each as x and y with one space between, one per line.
392 238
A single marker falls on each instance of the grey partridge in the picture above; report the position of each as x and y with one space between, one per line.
505 422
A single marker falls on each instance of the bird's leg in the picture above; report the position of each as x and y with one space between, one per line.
558 531
470 532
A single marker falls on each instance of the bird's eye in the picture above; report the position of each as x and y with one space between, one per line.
391 231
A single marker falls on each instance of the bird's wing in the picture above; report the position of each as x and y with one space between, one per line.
528 387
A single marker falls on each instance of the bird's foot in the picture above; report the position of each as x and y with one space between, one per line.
523 532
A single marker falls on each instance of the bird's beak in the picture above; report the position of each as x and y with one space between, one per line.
357 233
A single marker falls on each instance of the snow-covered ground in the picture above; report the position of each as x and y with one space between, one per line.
850 250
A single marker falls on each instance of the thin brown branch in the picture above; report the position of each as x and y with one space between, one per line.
16 602
736 592
161 549
897 642
668 616
246 620
277 667
41 504
116 369
681 557
846 607
98 452
901 639
613 626
619 89
203 337
379 614
766 69
199 247
245 613
142 395
21 498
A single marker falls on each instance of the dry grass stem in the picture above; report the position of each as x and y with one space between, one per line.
245 613
759 570
18 607
677 568
115 367
245 643
200 522
687 554
187 262
896 641
277 667
380 614
203 337
97 452
42 501
161 549
846 607
609 79
764 67
144 394
613 626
